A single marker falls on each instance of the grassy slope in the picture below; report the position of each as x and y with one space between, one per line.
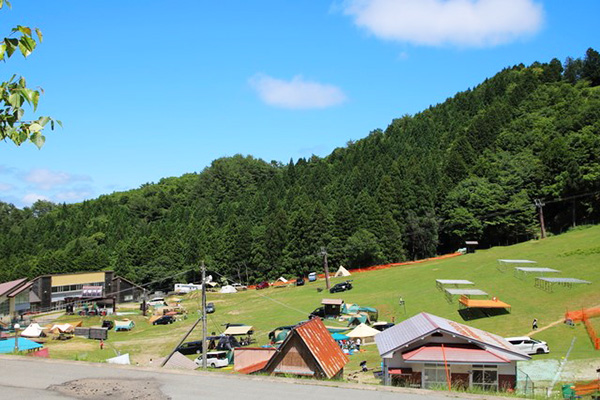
576 254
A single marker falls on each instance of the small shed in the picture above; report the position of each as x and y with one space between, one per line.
309 350
249 360
471 245
332 307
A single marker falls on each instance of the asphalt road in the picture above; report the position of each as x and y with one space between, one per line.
31 378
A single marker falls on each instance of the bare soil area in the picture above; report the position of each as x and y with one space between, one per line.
117 389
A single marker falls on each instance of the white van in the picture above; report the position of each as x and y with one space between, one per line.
214 359
312 277
528 345
157 301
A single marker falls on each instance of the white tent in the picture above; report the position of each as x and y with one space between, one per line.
282 279
342 271
34 330
227 289
122 359
364 332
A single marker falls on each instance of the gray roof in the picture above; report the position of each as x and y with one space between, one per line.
466 292
454 282
563 280
530 269
423 324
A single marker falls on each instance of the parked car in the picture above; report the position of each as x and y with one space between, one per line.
341 287
300 282
164 320
279 329
210 308
262 285
312 277
194 347
108 324
382 327
157 301
318 312
214 359
239 286
529 345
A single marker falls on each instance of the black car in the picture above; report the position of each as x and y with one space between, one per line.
210 308
191 347
164 320
383 327
300 282
108 324
319 312
341 287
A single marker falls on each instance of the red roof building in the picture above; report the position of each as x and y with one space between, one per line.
308 350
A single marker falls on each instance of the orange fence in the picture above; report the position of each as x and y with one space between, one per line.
584 316
587 388
386 266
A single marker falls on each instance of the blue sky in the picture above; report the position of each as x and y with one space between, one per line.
151 89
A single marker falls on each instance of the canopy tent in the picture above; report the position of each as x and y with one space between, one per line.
522 272
339 336
547 284
450 293
466 302
122 359
440 283
8 345
124 325
342 272
227 289
62 328
363 332
282 279
239 330
358 319
33 330
503 264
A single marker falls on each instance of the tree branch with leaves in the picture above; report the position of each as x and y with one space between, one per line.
14 93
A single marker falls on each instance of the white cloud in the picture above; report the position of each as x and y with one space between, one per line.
297 93
5 187
468 23
46 179
31 198
73 196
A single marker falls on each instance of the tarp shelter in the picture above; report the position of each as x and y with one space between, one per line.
358 319
8 345
440 283
227 289
363 332
350 308
450 293
342 271
33 330
239 330
282 279
335 329
522 272
547 284
504 263
124 325
62 328
122 360
339 336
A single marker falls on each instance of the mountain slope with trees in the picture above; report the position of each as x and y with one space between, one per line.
468 168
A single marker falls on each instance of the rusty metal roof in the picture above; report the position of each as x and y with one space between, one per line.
322 346
333 302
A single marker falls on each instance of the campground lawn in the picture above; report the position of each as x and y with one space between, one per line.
576 254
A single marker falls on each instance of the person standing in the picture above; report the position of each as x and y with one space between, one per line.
534 324
357 344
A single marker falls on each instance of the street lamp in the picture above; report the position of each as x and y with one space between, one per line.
17 327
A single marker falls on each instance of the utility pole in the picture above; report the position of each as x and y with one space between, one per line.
204 346
540 205
144 306
325 266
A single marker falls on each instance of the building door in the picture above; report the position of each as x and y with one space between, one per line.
434 376
485 377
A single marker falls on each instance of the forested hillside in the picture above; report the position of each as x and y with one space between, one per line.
469 168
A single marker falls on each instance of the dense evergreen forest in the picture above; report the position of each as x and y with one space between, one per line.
469 168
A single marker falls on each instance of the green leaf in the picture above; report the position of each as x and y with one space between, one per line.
35 127
38 139
43 120
35 97
11 45
2 50
23 29
39 34
26 44
15 99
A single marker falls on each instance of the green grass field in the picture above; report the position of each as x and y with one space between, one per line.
576 254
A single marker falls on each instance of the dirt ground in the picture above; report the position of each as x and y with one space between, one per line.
116 389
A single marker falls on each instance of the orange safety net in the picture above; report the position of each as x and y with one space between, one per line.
579 315
587 388
471 303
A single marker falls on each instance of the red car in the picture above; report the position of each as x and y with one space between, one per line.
262 285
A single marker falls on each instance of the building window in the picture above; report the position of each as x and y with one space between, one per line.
485 377
434 376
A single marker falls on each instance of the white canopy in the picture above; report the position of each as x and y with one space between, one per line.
227 289
342 271
364 332
282 279
238 330
33 330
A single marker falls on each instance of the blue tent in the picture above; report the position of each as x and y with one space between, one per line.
339 336
8 345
